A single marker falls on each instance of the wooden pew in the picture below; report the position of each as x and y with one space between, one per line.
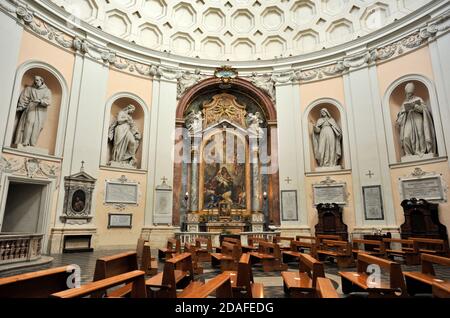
113 265
409 250
228 259
325 288
339 250
269 255
190 248
297 248
422 282
377 250
321 237
242 280
203 248
302 284
284 242
441 290
39 284
220 285
148 263
358 281
230 240
140 248
178 273
431 246
173 247
136 279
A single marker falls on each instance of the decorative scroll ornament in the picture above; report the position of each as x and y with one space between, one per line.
224 106
327 181
187 80
264 82
418 172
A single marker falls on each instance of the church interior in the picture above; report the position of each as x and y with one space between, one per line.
224 149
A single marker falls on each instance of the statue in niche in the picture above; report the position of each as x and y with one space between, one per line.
32 110
253 122
417 136
327 140
125 137
194 122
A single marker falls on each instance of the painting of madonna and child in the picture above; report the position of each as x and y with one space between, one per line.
224 183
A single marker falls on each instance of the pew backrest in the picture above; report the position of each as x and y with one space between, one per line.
311 266
114 265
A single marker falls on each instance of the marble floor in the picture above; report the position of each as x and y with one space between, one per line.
272 281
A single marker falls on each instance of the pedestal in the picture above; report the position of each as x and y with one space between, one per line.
35 150
417 157
257 222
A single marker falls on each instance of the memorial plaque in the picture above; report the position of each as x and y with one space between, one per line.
163 204
329 194
119 220
428 188
373 204
289 205
117 192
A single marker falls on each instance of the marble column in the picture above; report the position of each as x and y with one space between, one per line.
193 196
255 175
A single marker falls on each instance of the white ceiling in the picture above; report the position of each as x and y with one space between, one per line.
239 29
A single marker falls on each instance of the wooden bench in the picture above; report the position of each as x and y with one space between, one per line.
220 285
113 265
359 280
203 248
269 255
297 248
321 237
409 250
431 246
230 240
39 284
441 290
190 248
325 288
136 279
178 273
173 247
148 263
284 242
302 284
242 280
228 259
376 248
422 282
339 250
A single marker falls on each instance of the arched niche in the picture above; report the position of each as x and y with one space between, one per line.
51 137
392 103
310 117
115 104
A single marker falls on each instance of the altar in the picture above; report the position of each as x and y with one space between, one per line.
231 227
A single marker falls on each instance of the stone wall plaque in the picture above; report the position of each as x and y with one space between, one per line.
373 203
119 220
334 193
163 204
289 205
423 185
121 192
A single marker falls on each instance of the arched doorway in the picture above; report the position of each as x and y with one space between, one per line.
226 167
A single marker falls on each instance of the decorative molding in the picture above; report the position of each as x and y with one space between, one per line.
186 80
419 174
29 167
114 59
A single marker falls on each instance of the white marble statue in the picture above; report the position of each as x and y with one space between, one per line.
194 122
264 82
32 109
327 137
417 135
125 137
186 80
254 121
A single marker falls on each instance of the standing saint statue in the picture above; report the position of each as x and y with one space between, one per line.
254 121
417 136
194 122
125 137
32 109
327 140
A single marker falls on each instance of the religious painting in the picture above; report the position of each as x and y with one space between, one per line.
224 187
78 201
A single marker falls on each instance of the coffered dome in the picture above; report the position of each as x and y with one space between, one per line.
239 29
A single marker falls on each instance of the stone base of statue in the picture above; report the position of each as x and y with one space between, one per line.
409 158
331 168
31 149
257 222
125 165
